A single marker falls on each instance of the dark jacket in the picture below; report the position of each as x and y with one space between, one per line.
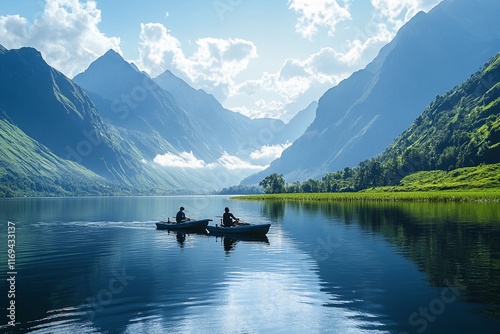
227 219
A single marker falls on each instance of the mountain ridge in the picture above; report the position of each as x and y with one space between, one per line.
453 144
46 105
359 117
108 134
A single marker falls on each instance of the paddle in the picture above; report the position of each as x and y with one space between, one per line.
163 220
241 222
238 221
168 221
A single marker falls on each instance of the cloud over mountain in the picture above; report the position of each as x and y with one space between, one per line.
215 62
326 13
228 64
66 33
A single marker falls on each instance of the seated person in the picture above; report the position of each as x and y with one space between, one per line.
228 219
181 216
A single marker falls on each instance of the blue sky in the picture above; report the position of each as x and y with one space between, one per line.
261 57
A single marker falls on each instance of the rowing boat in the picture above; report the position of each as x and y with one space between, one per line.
199 224
250 229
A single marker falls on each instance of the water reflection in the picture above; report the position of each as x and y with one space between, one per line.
228 242
181 237
323 267
274 210
455 244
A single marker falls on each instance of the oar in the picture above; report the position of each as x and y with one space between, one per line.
243 222
162 220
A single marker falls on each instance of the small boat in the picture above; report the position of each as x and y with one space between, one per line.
250 229
199 224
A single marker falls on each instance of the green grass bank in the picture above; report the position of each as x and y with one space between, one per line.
481 195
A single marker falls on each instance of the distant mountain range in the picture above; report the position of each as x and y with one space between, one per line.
190 119
115 130
131 133
362 115
56 113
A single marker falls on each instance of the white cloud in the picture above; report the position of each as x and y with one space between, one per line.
299 79
189 160
219 60
12 31
232 162
66 34
215 63
155 45
398 12
269 153
366 47
313 75
319 13
183 160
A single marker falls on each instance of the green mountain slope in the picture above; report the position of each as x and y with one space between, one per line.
457 130
28 168
466 178
52 110
358 118
43 108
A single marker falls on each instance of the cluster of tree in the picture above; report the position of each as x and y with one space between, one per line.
341 181
239 190
458 129
16 184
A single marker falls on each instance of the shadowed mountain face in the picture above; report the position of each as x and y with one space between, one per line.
188 119
52 121
362 115
131 100
230 128
165 114
123 132
51 109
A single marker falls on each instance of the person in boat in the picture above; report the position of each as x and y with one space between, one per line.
181 216
228 219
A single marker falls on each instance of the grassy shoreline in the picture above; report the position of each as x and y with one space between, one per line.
480 195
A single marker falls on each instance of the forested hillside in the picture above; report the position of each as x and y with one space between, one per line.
360 117
458 129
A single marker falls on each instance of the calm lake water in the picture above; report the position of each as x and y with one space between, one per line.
98 265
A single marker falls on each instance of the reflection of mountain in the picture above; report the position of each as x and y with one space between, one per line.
362 115
454 244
